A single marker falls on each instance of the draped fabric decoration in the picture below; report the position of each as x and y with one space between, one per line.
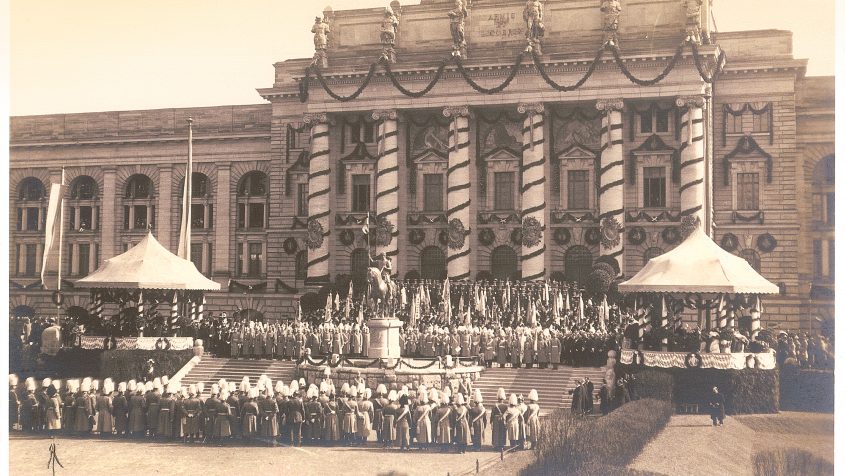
97 304
612 181
138 343
693 169
736 360
140 304
174 312
533 170
458 193
201 309
319 190
756 310
387 182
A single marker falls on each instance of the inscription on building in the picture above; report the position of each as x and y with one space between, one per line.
500 25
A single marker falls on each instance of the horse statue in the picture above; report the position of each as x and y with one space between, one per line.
381 288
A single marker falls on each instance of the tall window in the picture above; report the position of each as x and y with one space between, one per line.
360 131
202 210
196 255
252 200
31 194
504 262
747 191
30 261
733 124
577 189
661 120
302 199
761 122
254 259
578 263
301 266
360 192
655 120
504 188
139 186
84 257
138 208
654 187
646 119
433 190
824 196
432 263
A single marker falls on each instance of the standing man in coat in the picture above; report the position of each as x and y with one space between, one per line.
717 407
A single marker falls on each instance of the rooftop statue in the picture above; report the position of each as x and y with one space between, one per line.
693 25
389 27
610 10
534 27
321 32
457 18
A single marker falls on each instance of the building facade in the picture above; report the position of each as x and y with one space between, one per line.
490 141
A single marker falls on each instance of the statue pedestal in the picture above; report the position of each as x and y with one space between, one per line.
384 338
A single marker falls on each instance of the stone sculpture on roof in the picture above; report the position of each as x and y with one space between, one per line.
321 32
534 27
457 17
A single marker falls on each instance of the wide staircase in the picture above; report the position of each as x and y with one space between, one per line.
211 369
552 386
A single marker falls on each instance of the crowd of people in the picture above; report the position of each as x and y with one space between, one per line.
452 418
803 350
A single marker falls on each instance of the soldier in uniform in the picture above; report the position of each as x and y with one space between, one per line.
192 408
422 416
14 402
513 420
331 427
167 411
403 424
365 414
461 424
554 351
105 409
497 416
250 415
443 423
389 420
41 396
532 419
477 420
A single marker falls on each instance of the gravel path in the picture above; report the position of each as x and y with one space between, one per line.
691 446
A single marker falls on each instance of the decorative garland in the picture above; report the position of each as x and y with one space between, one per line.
347 237
315 234
532 232
516 236
706 76
644 216
58 298
588 217
290 246
610 232
766 242
729 242
384 232
671 235
562 236
739 217
689 224
693 360
486 237
592 236
416 236
636 235
457 234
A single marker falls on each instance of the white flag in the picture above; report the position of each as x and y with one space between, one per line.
184 250
53 227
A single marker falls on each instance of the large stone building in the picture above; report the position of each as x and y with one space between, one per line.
539 177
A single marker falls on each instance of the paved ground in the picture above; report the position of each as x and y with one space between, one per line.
29 455
691 446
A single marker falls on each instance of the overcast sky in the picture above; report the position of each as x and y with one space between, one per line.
99 55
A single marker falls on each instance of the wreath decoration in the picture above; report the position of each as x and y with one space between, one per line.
592 236
58 298
766 242
689 224
516 236
384 232
416 236
610 232
443 237
347 237
562 236
532 232
162 344
290 246
729 242
636 235
671 235
693 360
486 237
457 234
315 234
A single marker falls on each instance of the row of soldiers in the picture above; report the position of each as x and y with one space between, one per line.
292 414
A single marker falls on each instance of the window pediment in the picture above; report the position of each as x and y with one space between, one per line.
747 150
654 146
431 157
503 154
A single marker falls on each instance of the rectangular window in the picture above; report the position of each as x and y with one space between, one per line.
817 258
354 133
20 219
17 258
577 189
662 121
240 252
748 191
241 215
210 259
71 216
302 199
84 256
140 217
433 192
360 193
126 217
96 255
733 123
254 269
197 216
31 219
645 121
504 190
68 269
196 255
31 252
86 218
831 258
369 136
761 122
256 215
830 209
654 187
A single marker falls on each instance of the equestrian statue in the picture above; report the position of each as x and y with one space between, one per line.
381 290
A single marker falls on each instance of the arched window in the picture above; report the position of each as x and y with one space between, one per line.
650 253
301 264
31 189
359 261
253 184
825 171
432 263
23 311
139 186
578 263
752 257
199 185
503 262
202 207
252 200
84 187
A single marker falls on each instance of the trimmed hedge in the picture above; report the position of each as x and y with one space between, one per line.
806 390
123 365
745 391
790 462
586 446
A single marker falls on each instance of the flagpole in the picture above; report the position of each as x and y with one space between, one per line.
61 244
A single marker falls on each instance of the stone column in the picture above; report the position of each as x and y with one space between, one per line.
387 183
319 191
458 193
533 192
693 196
109 211
612 182
222 221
